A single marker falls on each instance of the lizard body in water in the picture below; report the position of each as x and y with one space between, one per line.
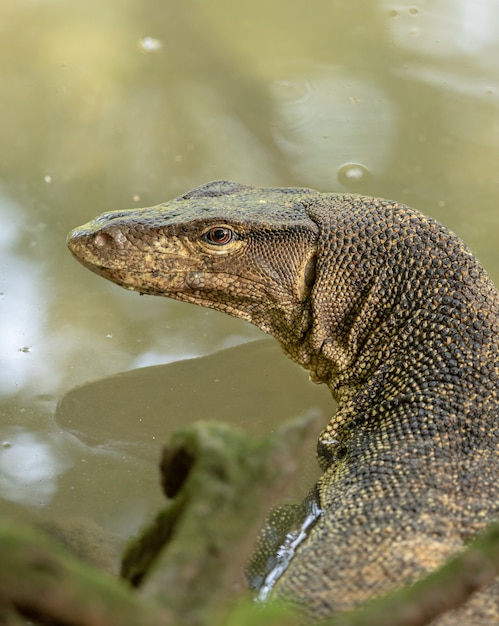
390 310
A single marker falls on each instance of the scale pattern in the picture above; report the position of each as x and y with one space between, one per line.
389 309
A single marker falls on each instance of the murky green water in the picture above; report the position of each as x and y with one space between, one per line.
125 103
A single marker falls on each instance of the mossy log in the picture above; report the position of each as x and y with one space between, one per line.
40 580
220 483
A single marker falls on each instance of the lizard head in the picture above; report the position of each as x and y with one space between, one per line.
245 251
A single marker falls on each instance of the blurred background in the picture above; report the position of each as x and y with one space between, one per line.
127 103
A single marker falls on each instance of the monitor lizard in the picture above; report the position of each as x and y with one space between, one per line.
389 309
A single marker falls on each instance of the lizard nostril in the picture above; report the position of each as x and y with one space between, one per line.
103 239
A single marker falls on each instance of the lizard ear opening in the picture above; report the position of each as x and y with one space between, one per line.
307 278
309 271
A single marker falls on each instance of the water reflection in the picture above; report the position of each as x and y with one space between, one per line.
448 28
260 389
29 467
21 320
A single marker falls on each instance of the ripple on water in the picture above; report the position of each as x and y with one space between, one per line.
335 130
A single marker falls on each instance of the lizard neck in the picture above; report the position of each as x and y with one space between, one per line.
401 325
431 370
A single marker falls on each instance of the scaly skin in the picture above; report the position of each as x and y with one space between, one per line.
398 318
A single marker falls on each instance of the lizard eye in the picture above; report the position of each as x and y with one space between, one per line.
219 235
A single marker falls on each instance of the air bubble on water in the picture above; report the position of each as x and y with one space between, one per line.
352 174
150 44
